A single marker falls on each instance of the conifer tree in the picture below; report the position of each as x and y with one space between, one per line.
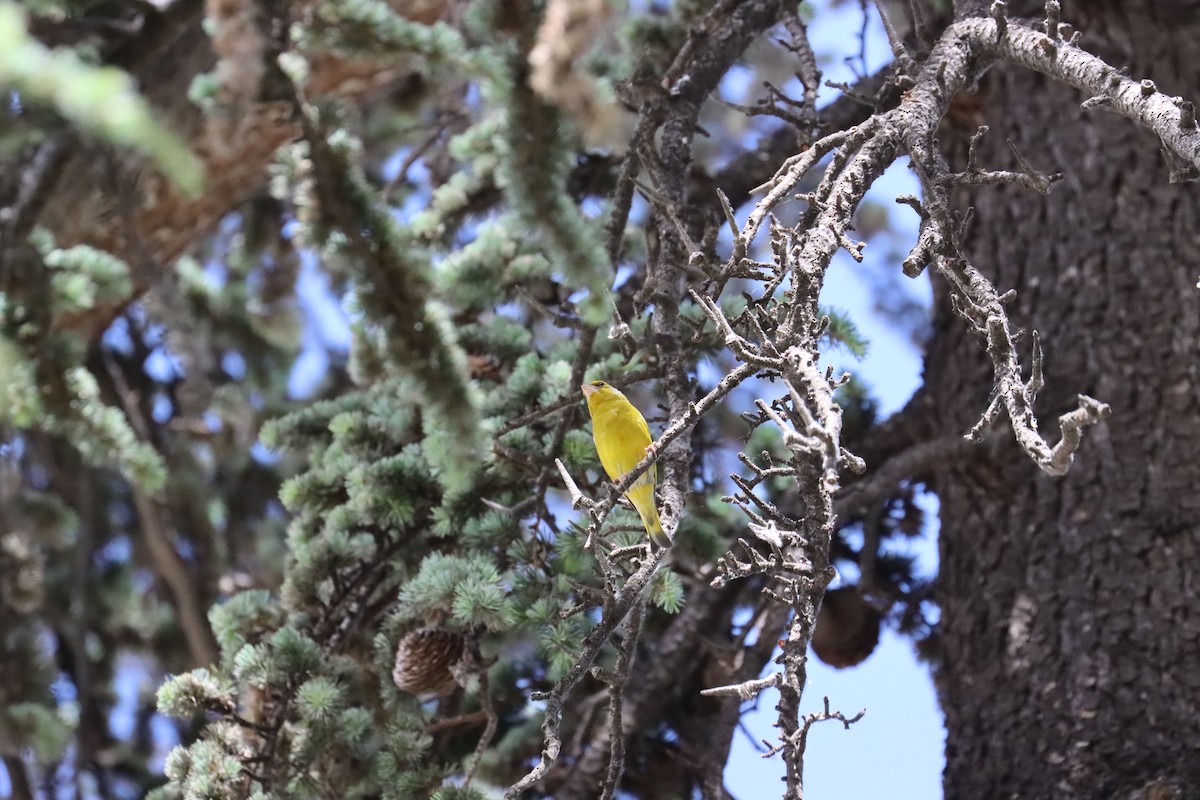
298 494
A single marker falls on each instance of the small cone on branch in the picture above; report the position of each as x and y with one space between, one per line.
425 661
847 628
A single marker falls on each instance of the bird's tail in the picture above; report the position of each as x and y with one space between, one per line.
648 511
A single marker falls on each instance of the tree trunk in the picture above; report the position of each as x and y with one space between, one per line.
1070 624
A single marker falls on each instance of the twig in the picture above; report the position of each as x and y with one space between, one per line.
746 690
167 563
939 453
489 730
458 721
36 184
801 735
618 679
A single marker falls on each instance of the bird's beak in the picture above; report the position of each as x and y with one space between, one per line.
587 389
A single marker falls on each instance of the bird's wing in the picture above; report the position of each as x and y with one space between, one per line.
623 443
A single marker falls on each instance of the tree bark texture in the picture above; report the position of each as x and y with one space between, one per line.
1070 625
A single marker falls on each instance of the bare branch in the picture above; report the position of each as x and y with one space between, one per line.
747 690
617 680
921 458
801 736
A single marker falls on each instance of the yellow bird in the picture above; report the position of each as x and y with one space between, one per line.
622 440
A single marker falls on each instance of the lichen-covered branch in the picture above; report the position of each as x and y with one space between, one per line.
780 335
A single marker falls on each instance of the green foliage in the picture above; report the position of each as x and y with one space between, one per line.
579 451
706 528
571 558
457 793
69 404
103 436
298 655
666 591
101 100
556 382
844 332
560 644
525 383
320 700
49 519
469 586
100 433
359 27
488 530
355 726
209 768
20 402
453 197
245 617
35 727
505 339
192 693
535 156
83 276
496 263
542 611
254 666
419 334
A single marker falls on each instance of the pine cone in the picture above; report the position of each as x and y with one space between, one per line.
847 629
425 661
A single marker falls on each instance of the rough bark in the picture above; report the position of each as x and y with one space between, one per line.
1069 625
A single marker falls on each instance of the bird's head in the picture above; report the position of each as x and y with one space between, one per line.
599 393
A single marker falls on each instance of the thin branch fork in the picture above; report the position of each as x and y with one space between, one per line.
779 565
814 438
1012 392
1028 177
801 735
978 302
763 355
788 177
948 70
